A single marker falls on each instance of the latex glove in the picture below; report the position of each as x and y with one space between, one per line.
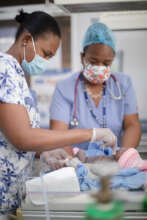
55 158
105 135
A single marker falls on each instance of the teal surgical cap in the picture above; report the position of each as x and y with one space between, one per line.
98 33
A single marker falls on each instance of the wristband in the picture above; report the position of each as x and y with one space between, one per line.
93 139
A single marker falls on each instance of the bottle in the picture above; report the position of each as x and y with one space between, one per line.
105 208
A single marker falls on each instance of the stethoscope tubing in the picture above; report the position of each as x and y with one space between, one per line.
75 97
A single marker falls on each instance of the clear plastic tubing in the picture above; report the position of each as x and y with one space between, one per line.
44 190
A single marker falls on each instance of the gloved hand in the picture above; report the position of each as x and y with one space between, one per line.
55 158
105 135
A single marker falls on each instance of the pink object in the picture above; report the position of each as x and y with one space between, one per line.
75 150
132 159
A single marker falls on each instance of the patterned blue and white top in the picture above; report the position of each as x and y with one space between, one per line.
13 162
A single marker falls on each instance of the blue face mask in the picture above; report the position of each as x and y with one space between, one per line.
37 66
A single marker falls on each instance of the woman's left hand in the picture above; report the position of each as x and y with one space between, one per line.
120 152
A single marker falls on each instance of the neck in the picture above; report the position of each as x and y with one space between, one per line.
14 51
95 91
93 86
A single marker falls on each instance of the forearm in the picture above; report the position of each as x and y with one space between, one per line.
15 124
36 139
59 125
131 136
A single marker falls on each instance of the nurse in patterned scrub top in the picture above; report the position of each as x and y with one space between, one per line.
37 40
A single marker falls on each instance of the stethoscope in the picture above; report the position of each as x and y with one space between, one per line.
75 122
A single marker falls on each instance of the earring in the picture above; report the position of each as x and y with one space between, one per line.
24 44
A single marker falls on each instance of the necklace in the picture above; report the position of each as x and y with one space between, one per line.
94 96
102 123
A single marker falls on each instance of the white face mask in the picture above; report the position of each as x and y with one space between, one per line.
96 74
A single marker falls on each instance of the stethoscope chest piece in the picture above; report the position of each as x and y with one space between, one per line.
74 122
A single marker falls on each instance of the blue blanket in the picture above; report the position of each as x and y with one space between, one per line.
128 178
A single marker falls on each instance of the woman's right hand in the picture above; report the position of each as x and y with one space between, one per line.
105 135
